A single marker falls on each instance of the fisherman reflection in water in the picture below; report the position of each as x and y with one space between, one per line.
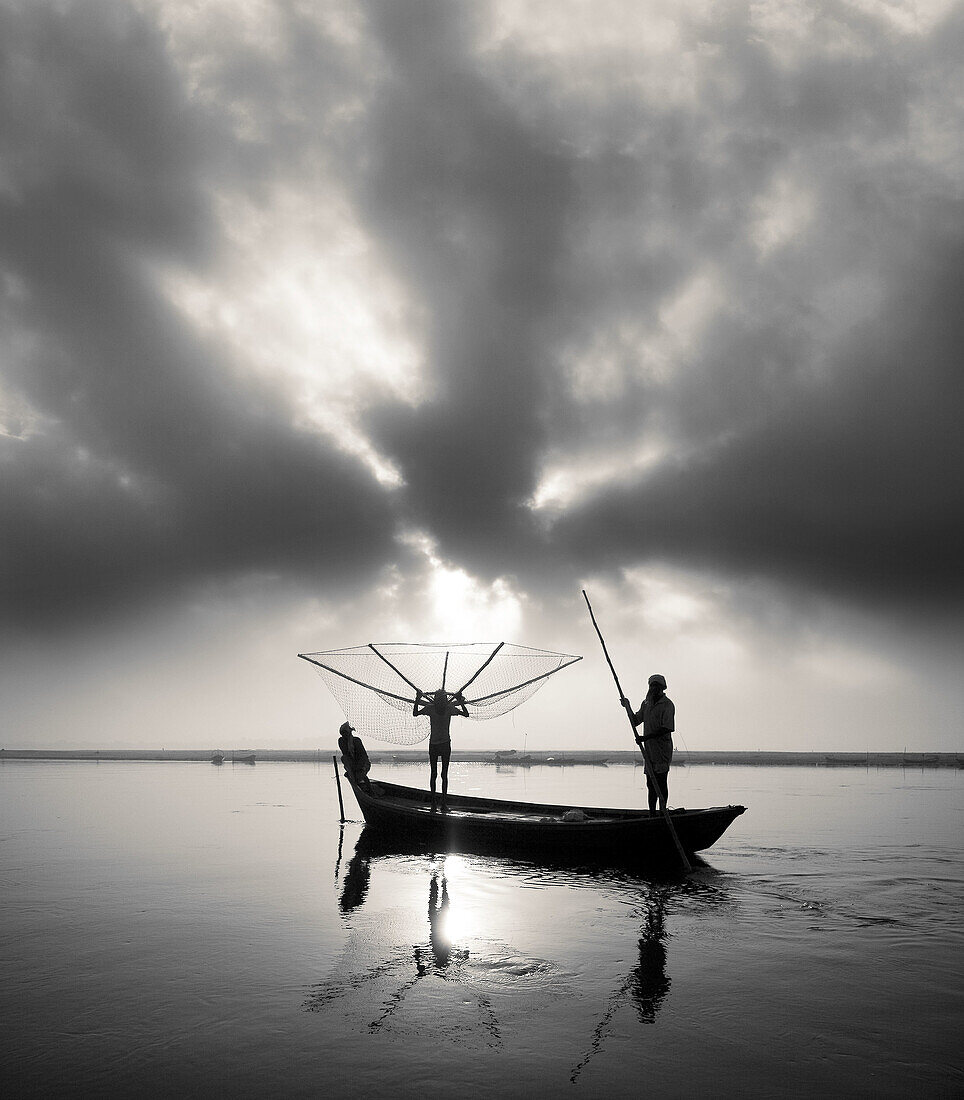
357 877
439 940
441 707
387 982
657 716
648 982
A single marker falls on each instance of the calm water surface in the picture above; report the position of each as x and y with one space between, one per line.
176 929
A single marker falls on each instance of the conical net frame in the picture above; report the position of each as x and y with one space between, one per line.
375 684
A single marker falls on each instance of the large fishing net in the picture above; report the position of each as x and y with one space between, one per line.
376 685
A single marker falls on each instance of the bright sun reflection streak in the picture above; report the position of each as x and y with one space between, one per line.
305 300
454 924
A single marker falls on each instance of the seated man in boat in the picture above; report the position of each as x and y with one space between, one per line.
657 715
440 707
353 755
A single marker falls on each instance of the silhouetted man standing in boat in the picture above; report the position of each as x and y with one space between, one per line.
657 716
441 708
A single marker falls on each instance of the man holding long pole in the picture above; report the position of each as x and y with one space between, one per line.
643 748
657 716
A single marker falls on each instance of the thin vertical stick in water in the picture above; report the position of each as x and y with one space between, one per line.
341 805
642 746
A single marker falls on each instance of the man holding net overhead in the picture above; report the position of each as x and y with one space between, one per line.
441 706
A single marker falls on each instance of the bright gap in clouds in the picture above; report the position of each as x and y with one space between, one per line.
565 482
605 372
458 607
782 213
303 299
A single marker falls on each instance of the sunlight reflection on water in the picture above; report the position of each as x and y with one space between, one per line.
180 930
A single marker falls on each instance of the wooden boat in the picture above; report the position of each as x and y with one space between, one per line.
489 824
217 757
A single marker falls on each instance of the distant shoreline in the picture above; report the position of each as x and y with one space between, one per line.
550 757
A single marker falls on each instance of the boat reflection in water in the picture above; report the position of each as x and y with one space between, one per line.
439 956
355 889
376 977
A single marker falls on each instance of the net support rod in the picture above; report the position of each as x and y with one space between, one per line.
360 683
445 669
642 744
393 668
525 683
481 669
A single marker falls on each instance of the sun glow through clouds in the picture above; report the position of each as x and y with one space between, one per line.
305 302
459 606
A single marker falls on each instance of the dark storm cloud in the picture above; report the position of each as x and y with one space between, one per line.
155 464
853 490
544 210
817 457
472 203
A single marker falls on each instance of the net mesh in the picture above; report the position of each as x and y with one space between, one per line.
375 685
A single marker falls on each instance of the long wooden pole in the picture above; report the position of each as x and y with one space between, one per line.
642 745
341 805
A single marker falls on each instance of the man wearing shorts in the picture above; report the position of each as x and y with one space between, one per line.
440 707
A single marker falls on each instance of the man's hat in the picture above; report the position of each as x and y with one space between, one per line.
346 727
657 679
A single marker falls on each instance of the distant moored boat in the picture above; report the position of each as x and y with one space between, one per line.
515 760
217 757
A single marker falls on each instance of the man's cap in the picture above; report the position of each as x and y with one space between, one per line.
346 727
657 679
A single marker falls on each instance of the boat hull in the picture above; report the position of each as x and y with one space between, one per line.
484 824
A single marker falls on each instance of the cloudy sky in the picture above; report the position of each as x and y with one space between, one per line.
406 320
